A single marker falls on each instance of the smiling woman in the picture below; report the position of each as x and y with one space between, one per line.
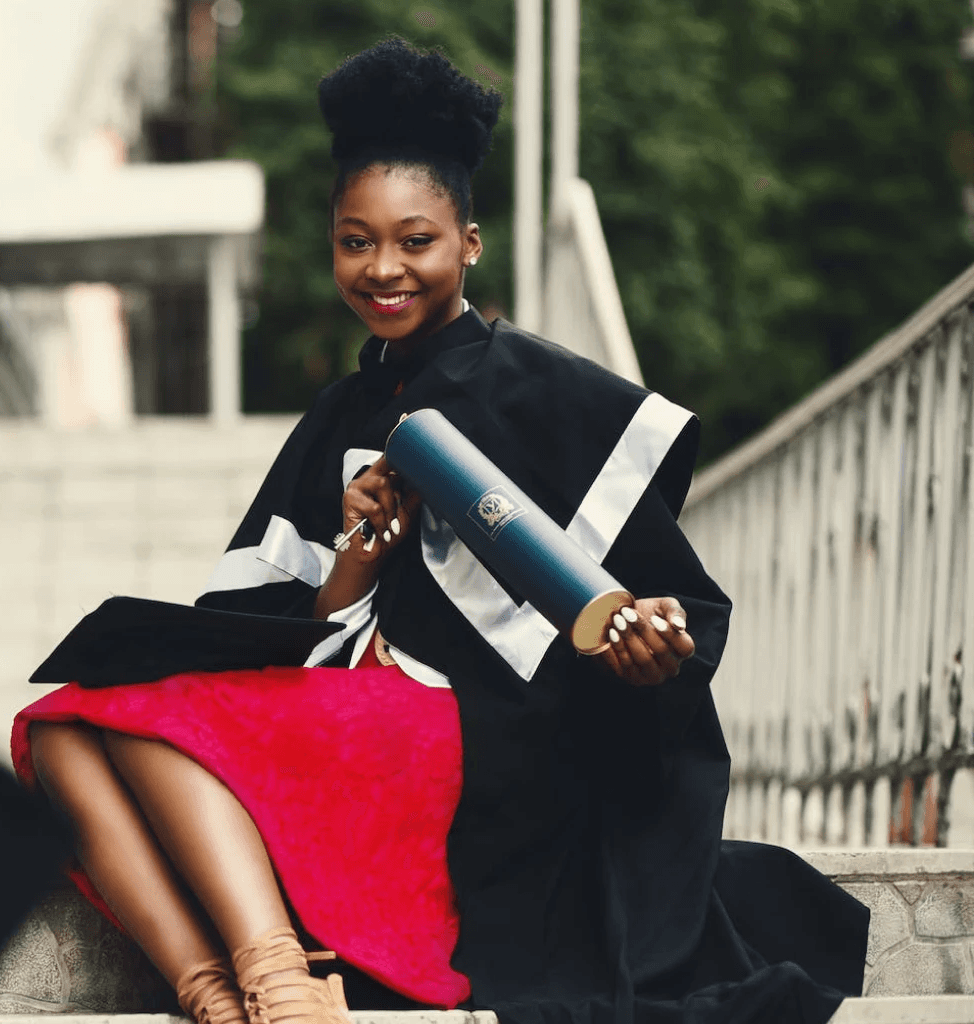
409 135
446 795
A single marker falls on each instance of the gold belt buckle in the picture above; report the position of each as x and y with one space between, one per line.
382 650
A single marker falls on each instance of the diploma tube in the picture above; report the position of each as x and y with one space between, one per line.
506 530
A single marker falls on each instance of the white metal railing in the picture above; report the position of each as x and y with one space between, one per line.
844 533
582 307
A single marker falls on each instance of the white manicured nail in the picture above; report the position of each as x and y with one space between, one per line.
620 622
660 625
629 613
679 621
369 544
396 528
386 536
613 635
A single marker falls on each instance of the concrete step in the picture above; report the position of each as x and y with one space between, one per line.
359 1016
879 1010
67 959
906 1010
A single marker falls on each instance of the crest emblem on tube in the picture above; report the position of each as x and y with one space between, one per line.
493 510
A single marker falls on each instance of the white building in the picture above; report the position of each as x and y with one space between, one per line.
105 267
121 264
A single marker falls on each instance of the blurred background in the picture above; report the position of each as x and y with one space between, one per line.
772 186
779 183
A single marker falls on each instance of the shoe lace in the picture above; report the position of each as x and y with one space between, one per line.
275 951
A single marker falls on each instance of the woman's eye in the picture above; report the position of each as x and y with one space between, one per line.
357 242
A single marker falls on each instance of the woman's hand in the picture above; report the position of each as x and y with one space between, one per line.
390 506
648 643
382 497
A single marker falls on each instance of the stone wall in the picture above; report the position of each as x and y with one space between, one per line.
921 932
67 958
145 511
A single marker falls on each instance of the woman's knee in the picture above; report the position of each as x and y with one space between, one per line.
56 748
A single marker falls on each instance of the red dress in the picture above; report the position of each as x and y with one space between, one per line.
352 777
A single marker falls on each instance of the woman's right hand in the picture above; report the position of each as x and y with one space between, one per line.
380 495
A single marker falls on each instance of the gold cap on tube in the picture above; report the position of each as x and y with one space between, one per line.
592 622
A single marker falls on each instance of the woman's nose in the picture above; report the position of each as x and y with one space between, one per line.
386 264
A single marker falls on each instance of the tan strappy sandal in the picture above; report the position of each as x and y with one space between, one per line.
268 1000
208 993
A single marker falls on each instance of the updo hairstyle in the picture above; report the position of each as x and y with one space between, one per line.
396 105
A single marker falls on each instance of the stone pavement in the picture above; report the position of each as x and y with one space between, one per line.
885 1010
906 1010
360 1017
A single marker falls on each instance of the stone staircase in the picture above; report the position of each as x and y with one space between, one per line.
66 959
920 955
359 1016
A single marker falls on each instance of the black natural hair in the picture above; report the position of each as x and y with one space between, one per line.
398 106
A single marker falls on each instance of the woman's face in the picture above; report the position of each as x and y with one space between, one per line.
397 240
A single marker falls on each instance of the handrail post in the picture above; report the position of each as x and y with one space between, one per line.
564 99
528 137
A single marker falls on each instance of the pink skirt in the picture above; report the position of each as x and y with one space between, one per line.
352 777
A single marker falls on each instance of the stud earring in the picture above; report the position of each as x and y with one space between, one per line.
473 261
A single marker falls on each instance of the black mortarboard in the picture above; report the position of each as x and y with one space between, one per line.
133 640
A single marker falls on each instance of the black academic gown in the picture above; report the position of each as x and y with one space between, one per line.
35 844
586 855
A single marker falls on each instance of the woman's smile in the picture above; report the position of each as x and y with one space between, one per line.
389 305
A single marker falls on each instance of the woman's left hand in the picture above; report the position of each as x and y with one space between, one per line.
648 644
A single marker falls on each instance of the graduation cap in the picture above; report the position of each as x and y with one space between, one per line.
134 640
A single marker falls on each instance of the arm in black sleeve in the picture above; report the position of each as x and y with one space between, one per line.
648 725
277 558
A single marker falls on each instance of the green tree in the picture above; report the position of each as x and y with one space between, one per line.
779 183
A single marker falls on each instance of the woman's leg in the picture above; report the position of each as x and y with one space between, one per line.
216 847
117 848
213 844
208 835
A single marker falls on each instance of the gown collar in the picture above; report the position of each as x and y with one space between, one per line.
383 376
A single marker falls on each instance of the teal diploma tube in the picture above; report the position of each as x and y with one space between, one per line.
506 530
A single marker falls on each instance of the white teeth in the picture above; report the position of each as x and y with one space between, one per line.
394 301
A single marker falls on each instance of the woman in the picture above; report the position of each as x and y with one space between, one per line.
573 868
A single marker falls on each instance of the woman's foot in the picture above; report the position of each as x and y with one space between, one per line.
273 974
208 993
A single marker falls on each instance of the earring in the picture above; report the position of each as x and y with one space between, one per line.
472 262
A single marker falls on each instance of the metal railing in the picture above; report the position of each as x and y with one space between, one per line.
844 533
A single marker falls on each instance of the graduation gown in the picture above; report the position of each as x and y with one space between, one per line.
586 855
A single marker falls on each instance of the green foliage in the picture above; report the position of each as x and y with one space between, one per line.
779 184
779 180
